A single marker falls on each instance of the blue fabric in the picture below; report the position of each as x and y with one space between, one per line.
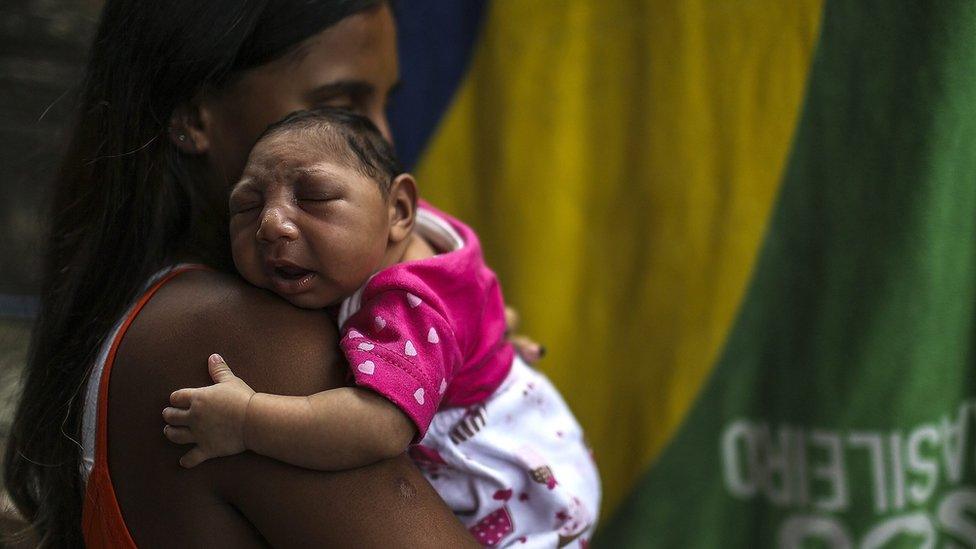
436 39
19 306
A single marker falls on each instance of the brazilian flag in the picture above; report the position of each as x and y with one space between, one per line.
746 232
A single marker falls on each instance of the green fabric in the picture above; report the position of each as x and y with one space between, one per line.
851 361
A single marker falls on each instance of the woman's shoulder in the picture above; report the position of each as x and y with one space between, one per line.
211 293
200 312
276 348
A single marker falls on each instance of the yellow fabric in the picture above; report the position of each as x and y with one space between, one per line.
619 159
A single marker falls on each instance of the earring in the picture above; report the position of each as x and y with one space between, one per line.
181 137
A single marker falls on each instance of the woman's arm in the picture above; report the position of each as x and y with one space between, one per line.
247 500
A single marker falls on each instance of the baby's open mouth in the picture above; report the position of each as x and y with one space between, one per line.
291 273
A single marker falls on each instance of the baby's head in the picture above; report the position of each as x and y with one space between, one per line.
321 206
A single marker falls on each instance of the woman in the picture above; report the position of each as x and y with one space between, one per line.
175 94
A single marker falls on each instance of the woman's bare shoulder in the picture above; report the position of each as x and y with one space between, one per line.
277 348
166 348
204 312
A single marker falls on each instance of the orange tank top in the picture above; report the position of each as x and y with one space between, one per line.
101 522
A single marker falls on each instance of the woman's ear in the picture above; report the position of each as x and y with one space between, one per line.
402 199
189 128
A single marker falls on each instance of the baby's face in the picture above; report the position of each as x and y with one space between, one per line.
305 226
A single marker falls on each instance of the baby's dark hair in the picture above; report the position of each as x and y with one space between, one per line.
349 136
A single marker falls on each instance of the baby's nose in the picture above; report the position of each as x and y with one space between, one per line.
275 225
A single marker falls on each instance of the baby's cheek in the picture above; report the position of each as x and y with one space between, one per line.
246 260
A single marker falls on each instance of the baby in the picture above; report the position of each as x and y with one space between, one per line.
324 217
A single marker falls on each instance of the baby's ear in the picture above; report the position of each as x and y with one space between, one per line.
403 206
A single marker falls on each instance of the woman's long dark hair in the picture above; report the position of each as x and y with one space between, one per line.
125 202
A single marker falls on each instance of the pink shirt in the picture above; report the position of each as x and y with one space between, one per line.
430 333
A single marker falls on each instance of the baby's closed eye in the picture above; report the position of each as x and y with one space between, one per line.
317 198
244 204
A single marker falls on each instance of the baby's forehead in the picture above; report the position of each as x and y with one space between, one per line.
295 153
295 146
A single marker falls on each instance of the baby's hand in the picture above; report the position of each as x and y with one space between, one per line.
210 417
529 349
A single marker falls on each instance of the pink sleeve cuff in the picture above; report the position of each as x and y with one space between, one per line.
383 371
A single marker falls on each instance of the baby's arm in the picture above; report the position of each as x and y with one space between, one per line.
336 429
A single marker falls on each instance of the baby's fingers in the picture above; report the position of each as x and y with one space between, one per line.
181 398
176 416
529 350
194 457
219 370
511 320
179 435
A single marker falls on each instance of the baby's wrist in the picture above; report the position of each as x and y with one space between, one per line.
247 422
